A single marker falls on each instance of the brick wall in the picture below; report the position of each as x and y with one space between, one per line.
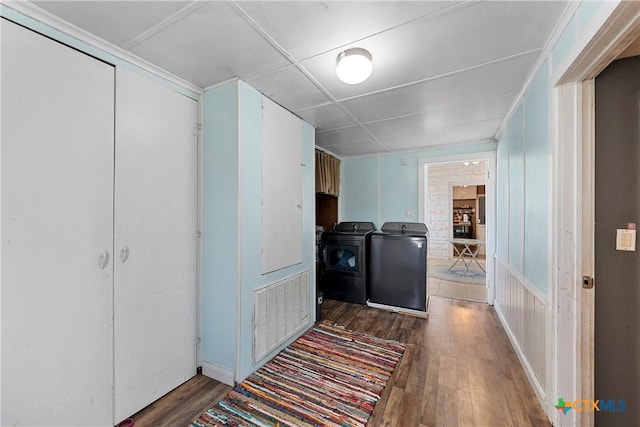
440 178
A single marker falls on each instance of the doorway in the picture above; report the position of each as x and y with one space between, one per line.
572 319
456 205
617 203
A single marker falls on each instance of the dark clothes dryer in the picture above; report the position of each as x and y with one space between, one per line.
343 262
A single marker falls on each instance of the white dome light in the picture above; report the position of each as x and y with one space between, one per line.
354 66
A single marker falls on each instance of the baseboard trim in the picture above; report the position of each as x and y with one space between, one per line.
537 388
218 373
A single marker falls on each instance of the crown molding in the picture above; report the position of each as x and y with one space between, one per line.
34 17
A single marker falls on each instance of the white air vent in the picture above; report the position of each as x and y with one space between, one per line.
280 310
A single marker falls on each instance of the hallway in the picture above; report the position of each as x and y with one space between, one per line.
459 369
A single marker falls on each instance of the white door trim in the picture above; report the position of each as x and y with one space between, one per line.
616 25
490 203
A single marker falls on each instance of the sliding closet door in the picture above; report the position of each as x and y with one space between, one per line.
155 241
57 233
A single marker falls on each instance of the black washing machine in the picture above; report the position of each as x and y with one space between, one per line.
343 262
398 266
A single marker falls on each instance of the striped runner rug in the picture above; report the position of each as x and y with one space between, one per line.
327 377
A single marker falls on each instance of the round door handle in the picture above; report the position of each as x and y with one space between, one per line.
124 253
103 259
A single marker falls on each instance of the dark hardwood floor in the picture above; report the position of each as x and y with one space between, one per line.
459 369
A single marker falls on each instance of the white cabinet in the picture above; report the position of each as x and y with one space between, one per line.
73 305
257 227
57 225
155 241
281 187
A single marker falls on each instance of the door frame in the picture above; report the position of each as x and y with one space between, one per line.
613 28
490 203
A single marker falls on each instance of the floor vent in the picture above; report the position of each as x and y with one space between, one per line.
280 310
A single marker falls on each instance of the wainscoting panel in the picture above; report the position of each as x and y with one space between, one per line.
281 309
523 313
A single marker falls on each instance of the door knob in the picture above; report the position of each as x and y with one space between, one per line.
124 253
103 259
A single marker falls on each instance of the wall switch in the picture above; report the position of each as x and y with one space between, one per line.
411 213
625 240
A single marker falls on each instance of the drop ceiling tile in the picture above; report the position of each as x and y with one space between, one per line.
490 81
492 109
306 28
470 132
348 135
325 117
210 45
114 21
470 36
288 86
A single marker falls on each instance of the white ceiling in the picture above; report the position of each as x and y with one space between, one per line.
444 72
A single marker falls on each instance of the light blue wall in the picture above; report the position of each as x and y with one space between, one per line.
579 21
220 224
380 188
536 176
516 189
502 198
398 188
250 152
360 189
232 225
524 165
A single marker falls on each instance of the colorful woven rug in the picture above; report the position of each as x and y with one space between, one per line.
327 377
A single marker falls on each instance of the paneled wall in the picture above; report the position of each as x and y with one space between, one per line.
523 313
232 227
523 230
384 187
524 243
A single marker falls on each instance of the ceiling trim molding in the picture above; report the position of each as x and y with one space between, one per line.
317 147
81 40
545 54
222 83
427 148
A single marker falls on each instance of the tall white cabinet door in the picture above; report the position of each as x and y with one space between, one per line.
155 241
281 187
57 233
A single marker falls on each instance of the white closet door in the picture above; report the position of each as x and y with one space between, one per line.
57 220
281 187
155 241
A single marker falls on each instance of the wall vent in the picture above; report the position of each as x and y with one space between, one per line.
280 310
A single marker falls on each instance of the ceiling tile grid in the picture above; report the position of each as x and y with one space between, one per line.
444 72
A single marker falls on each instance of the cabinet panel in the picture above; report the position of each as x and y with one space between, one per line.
281 188
155 241
57 207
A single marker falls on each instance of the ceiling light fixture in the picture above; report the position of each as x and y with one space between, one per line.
354 65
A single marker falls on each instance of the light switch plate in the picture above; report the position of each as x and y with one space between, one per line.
626 240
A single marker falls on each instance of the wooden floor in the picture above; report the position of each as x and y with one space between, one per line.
459 369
